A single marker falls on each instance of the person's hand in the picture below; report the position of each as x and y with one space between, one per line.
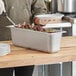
36 21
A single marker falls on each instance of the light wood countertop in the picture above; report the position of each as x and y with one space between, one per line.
24 57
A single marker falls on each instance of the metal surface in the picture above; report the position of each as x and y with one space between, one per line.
47 42
67 6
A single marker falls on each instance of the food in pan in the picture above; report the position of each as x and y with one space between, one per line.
29 26
35 28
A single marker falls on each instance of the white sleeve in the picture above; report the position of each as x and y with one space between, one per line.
2 7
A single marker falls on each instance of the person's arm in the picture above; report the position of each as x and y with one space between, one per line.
38 7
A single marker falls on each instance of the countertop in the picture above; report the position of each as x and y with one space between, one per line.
24 57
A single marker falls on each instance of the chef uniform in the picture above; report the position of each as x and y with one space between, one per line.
20 11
